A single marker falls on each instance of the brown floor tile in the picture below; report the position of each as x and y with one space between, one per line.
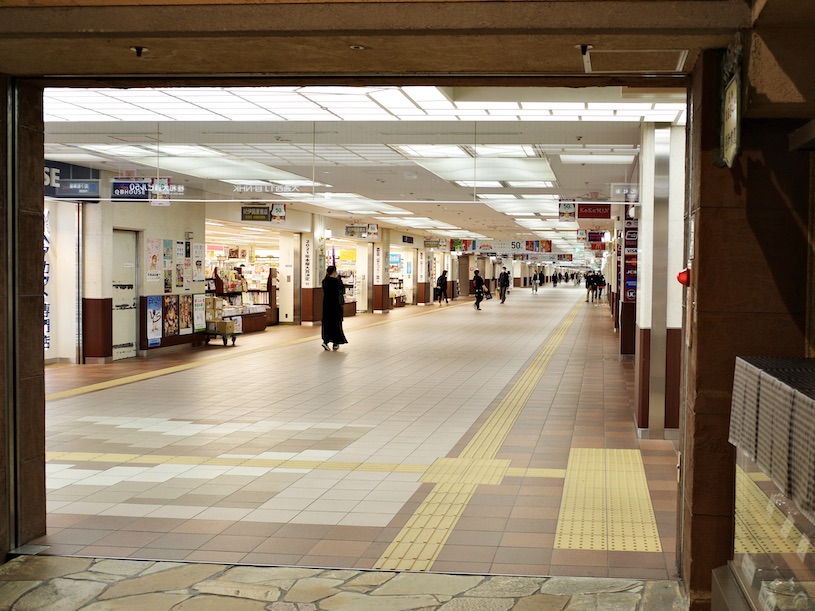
467 553
522 555
180 541
213 527
98 551
538 540
579 557
234 543
278 545
128 538
303 531
215 556
461 566
252 529
474 537
338 548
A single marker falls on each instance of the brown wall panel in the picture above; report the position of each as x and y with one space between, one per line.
97 327
382 299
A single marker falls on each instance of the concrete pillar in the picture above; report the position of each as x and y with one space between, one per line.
289 278
382 251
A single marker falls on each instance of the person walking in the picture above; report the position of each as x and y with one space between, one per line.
503 284
534 282
600 283
478 287
441 286
591 288
333 300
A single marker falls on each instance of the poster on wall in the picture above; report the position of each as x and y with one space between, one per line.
167 250
153 253
170 315
199 321
187 273
184 314
179 275
168 281
198 263
153 321
179 251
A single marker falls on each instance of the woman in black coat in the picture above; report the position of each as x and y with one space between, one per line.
333 299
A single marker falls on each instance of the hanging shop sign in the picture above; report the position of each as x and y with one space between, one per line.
564 257
67 181
582 235
130 190
596 236
597 246
513 246
268 188
432 243
624 192
406 239
308 263
255 213
362 230
594 211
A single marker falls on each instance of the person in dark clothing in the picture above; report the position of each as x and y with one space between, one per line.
600 283
591 287
441 286
503 284
478 286
333 300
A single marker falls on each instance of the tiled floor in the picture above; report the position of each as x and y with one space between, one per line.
440 439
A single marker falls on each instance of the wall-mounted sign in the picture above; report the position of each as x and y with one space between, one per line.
407 239
731 132
432 243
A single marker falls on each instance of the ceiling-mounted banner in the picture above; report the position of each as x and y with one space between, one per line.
277 215
593 211
566 211
596 236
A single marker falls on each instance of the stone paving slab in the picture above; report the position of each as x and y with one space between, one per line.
50 583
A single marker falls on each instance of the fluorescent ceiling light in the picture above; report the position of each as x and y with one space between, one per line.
480 184
597 159
218 169
489 168
531 184
504 150
432 150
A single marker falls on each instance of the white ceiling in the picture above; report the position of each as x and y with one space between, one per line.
444 162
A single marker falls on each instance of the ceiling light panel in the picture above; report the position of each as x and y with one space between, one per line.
597 159
489 168
432 150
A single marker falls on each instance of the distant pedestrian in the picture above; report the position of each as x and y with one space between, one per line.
478 288
333 301
600 282
503 284
534 282
441 287
591 288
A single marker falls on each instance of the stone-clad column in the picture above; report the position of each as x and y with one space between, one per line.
22 427
748 228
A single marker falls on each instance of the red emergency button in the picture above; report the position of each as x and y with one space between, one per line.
684 277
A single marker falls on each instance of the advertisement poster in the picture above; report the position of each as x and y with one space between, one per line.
277 215
170 315
168 280
199 321
154 320
179 250
153 252
167 250
179 275
187 250
198 263
160 192
184 314
187 273
566 211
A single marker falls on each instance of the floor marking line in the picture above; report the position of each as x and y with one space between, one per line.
456 485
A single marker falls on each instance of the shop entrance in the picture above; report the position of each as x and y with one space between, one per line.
123 289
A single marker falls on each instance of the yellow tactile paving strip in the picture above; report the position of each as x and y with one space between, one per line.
606 504
761 528
419 543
